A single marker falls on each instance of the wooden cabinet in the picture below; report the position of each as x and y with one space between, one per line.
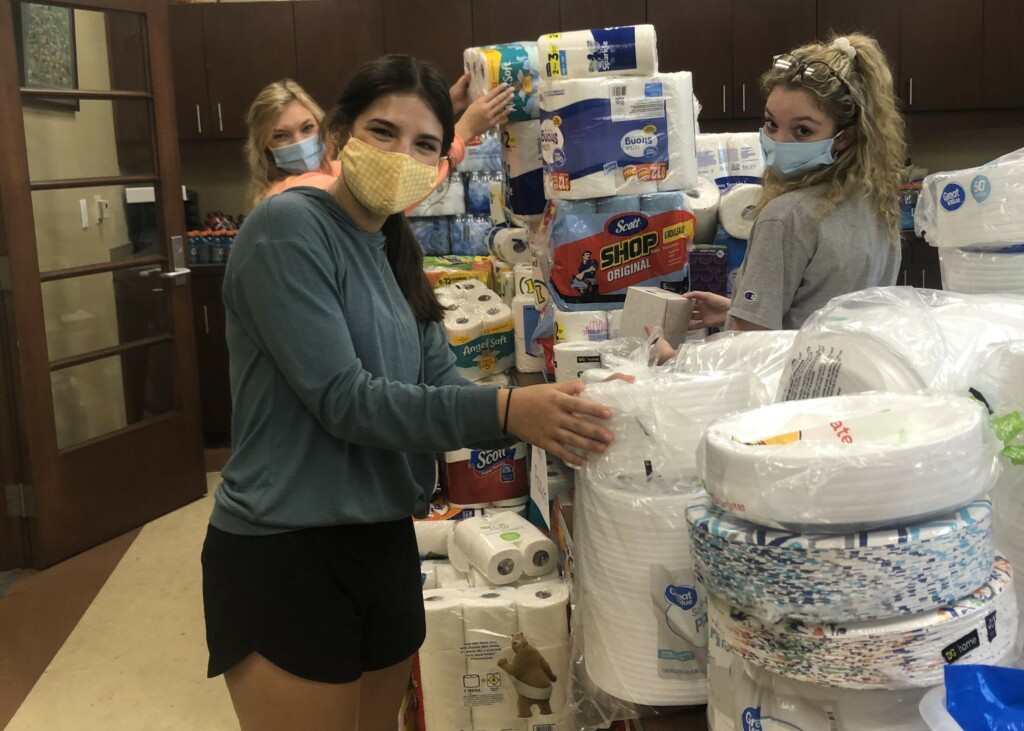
585 14
493 23
1002 64
940 54
697 37
761 31
877 18
323 63
431 30
222 55
212 353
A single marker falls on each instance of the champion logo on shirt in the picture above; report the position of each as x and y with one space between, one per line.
750 296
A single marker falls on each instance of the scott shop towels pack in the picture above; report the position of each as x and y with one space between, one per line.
596 257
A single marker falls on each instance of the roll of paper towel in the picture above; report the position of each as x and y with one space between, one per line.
522 281
682 138
509 244
572 358
539 550
703 201
442 662
432 536
736 209
542 620
514 64
586 325
524 175
630 50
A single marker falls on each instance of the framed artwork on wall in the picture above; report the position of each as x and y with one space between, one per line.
46 51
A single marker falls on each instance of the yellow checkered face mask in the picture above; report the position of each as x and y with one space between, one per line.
384 182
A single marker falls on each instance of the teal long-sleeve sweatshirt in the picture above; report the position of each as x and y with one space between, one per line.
340 396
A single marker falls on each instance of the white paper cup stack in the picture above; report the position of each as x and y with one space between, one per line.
980 271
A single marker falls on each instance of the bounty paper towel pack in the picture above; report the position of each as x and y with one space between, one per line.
630 50
514 64
596 257
617 136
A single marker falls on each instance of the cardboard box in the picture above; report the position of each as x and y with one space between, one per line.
658 308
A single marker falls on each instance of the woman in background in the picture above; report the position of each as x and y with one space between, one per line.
285 147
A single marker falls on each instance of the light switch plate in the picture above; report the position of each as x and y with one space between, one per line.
85 212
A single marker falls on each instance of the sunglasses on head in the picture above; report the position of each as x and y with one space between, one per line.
816 71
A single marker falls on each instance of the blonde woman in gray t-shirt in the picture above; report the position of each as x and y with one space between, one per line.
828 222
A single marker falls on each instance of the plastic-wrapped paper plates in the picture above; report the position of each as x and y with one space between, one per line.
844 464
977 272
905 652
841 578
763 352
742 695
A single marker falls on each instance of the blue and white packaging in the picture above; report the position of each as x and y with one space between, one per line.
433 234
524 173
514 64
483 154
630 50
730 158
478 194
617 136
447 199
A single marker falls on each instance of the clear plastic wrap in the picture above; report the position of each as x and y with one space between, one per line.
765 353
898 339
639 618
514 64
744 697
904 652
975 271
480 329
850 463
841 578
503 547
658 420
982 205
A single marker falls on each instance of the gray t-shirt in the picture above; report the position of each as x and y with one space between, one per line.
797 260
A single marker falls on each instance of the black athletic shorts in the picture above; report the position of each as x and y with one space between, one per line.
325 604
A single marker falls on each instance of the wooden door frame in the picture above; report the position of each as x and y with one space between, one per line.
42 460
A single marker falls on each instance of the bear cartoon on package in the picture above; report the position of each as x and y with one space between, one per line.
531 676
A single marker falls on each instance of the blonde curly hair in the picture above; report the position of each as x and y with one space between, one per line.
860 96
260 120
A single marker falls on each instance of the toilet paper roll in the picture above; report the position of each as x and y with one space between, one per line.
539 551
703 201
624 51
484 544
449 577
463 328
522 281
497 318
603 137
526 362
489 621
582 325
442 662
682 138
509 244
466 287
542 613
573 358
736 209
432 536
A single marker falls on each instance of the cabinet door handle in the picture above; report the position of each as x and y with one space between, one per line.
206 320
723 98
911 101
743 94
904 282
220 119
199 120
922 279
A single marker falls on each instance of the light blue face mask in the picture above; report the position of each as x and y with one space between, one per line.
789 159
303 156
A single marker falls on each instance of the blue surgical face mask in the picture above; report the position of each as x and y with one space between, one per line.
303 156
789 159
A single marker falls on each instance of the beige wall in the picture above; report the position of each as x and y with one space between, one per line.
220 185
80 313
